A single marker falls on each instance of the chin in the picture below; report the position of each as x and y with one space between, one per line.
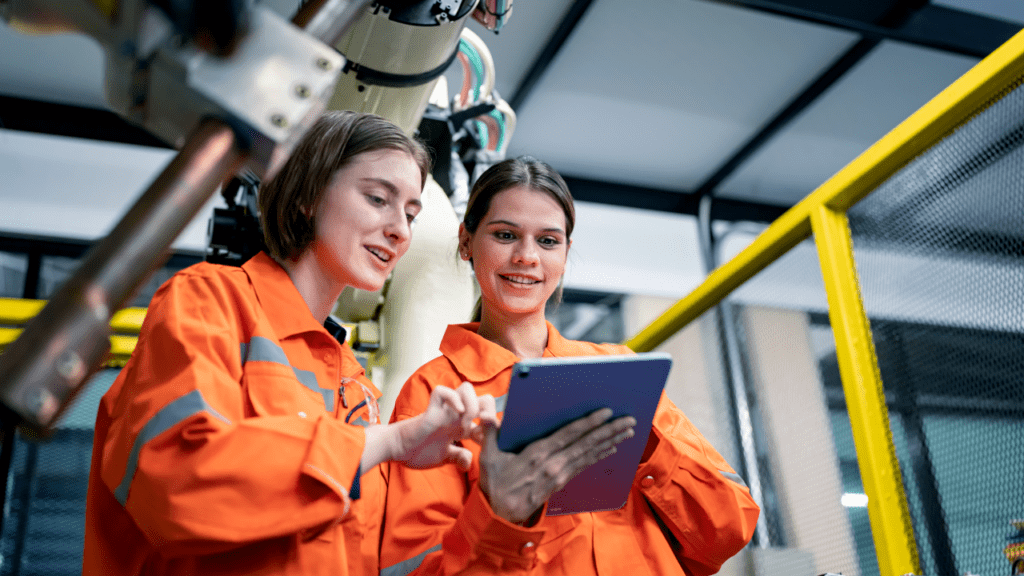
369 284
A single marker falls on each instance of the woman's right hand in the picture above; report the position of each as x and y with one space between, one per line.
517 485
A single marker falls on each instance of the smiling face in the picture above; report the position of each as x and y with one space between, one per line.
363 222
518 251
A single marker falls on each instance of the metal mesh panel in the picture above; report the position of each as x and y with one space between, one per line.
44 520
813 494
938 249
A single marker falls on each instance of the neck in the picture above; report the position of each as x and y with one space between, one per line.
318 291
526 335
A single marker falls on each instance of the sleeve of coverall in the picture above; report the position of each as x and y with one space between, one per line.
194 473
438 522
695 493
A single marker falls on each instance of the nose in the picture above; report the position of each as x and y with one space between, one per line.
398 227
526 252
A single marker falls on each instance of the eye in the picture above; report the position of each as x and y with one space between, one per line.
504 235
375 199
549 241
410 217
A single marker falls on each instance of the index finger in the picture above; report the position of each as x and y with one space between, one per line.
467 393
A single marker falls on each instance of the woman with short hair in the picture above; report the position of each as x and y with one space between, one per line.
241 437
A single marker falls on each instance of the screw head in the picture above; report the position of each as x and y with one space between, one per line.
302 91
279 120
323 63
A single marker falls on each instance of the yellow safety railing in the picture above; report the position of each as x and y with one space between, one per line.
125 324
823 213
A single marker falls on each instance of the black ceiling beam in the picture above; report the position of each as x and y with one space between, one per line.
547 54
670 201
796 106
893 14
938 27
73 121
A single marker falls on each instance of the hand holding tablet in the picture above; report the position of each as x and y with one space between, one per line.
546 394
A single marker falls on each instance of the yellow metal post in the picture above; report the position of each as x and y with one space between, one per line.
865 400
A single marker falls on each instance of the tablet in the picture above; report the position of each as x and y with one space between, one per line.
547 393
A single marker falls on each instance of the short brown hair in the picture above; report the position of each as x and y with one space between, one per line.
327 147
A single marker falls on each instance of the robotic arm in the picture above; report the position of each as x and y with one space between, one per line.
234 86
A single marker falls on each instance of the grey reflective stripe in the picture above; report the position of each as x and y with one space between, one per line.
168 417
406 566
360 422
499 403
261 349
734 477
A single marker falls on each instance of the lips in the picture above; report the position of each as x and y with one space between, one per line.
519 279
383 255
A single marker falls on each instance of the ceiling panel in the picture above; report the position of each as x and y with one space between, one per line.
1012 10
659 97
63 68
889 85
516 46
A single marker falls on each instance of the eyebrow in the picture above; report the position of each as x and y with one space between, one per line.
392 189
515 225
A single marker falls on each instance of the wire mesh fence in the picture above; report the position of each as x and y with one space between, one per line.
939 251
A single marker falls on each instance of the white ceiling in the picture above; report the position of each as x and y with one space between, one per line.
657 97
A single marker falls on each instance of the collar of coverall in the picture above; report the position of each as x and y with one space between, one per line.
478 359
282 303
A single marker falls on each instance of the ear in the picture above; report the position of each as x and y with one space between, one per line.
464 238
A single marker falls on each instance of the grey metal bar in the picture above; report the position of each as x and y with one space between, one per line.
731 357
42 370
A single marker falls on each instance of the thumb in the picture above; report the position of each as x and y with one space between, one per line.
461 457
484 431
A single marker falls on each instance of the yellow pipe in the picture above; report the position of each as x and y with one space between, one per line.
18 311
916 134
891 527
788 231
125 324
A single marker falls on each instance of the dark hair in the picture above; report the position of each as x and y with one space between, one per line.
512 173
329 145
523 171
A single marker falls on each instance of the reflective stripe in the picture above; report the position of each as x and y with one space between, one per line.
499 402
360 422
168 417
734 477
406 566
261 349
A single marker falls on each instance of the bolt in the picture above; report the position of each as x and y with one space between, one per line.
43 405
302 91
279 120
323 63
71 367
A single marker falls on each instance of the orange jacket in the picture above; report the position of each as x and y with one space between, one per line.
222 446
687 507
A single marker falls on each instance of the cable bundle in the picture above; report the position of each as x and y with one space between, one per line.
493 129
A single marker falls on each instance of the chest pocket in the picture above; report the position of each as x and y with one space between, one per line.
275 387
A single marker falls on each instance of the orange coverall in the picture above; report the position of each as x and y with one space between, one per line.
223 448
687 511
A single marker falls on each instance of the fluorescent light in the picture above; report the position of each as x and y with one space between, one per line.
852 500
